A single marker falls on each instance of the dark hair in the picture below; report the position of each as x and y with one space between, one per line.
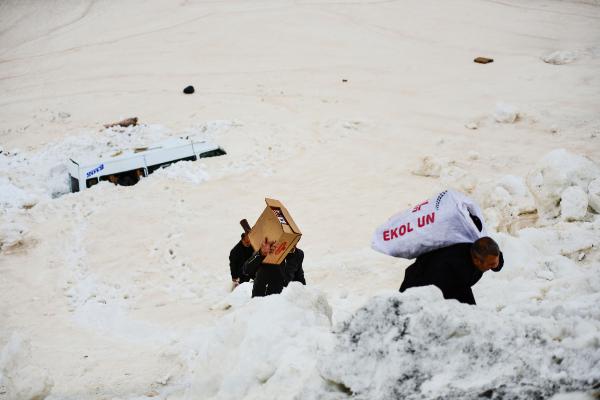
484 247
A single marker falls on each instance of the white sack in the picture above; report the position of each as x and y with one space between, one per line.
441 221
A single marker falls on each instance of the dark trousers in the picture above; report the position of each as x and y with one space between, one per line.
269 280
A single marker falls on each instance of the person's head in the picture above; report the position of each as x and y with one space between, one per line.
245 240
485 254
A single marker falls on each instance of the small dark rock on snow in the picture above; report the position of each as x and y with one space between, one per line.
188 90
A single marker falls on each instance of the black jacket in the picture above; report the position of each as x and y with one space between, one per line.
237 257
271 279
451 269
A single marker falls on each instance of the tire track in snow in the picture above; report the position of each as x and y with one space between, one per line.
110 41
49 32
98 305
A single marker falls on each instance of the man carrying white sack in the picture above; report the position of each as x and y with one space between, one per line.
455 269
447 236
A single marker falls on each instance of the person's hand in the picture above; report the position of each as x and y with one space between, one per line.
267 247
246 240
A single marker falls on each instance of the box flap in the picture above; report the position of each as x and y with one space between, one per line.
277 204
266 226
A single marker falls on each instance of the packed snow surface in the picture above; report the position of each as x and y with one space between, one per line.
361 111
506 113
418 345
560 57
536 332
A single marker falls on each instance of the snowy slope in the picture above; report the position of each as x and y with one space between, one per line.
124 292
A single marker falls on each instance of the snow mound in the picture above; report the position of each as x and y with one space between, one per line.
430 167
12 196
18 377
416 345
12 235
505 113
560 57
472 125
558 170
504 201
573 204
594 195
265 349
564 238
185 171
458 178
237 298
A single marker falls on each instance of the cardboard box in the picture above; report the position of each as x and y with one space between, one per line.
275 224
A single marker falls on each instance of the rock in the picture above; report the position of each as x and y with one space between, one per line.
573 204
483 60
472 125
124 123
594 195
505 113
188 90
64 115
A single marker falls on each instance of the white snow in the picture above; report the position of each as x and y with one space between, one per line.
416 344
594 195
505 113
507 202
458 178
560 57
557 171
430 166
124 292
573 204
19 377
187 171
274 340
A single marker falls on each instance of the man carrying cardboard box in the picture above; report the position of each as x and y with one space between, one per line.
276 224
237 257
272 278
276 261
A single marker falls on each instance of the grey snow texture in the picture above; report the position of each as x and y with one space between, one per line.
400 347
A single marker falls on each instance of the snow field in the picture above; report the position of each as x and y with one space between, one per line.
534 333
